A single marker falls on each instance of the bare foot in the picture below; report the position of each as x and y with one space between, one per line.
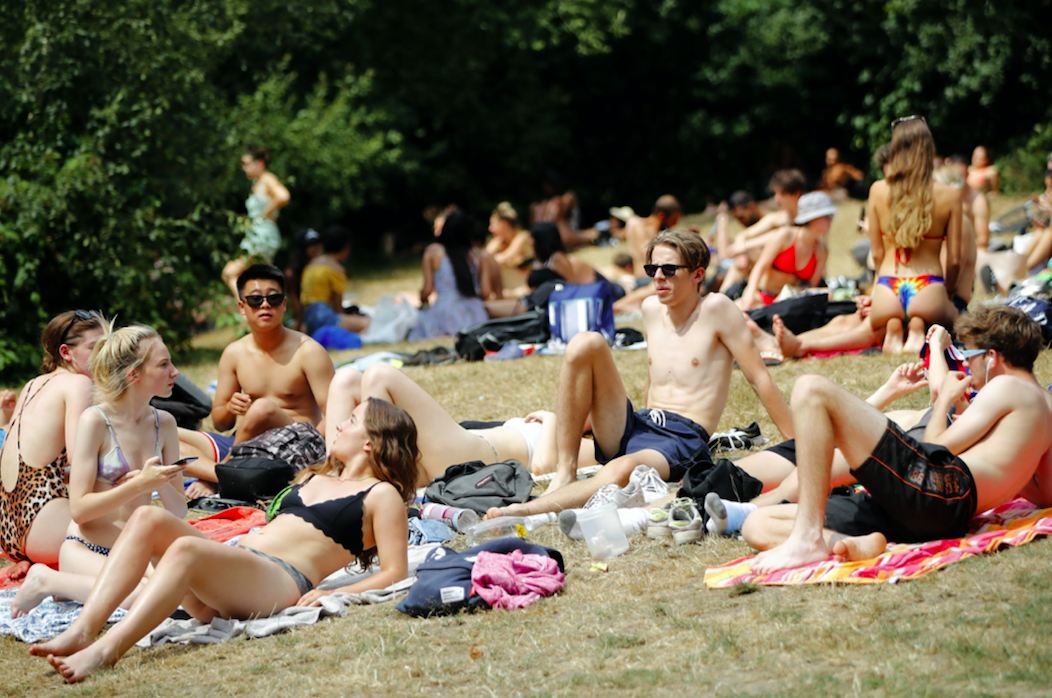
788 342
72 640
513 510
892 344
792 553
33 591
82 664
17 571
201 489
559 481
860 547
914 344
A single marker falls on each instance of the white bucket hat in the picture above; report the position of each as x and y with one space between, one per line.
814 205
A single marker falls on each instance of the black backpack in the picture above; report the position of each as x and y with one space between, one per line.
188 403
477 486
529 328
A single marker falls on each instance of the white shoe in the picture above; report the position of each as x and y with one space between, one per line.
628 496
653 485
684 522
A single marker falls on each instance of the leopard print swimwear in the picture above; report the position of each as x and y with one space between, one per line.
34 488
19 507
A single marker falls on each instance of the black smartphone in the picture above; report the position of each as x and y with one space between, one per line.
184 461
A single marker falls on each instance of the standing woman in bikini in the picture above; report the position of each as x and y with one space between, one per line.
34 498
911 218
350 508
262 239
123 444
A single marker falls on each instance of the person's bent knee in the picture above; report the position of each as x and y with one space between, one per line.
807 387
379 374
346 380
148 517
584 345
183 551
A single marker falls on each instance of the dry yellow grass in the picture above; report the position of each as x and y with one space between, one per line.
648 626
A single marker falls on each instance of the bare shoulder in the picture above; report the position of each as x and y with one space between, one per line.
878 191
74 384
384 496
775 219
718 303
166 420
946 195
237 348
1016 393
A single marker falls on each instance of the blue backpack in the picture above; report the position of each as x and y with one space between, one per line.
443 581
581 308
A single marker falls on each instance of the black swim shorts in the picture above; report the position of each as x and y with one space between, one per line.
916 492
680 440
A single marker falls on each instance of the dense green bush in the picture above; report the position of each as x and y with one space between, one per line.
121 123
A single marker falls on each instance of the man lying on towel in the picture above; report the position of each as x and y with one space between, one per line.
917 491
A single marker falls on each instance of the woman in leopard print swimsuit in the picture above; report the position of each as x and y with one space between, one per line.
34 499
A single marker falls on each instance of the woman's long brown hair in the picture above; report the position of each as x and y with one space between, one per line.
909 177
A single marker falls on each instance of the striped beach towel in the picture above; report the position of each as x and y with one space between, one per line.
1013 523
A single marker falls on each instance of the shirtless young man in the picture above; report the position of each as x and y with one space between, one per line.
917 491
692 346
788 187
269 378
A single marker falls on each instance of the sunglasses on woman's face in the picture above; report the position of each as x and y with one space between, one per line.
904 119
668 270
272 299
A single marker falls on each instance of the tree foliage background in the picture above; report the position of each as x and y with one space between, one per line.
121 123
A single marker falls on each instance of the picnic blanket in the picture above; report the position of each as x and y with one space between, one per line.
1013 523
219 630
45 621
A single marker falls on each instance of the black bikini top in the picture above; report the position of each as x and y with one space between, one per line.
339 519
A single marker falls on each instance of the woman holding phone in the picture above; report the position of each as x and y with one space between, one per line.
119 461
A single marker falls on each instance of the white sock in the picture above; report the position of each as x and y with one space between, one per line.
736 513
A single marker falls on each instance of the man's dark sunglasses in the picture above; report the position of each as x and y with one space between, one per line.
83 315
273 299
904 119
668 270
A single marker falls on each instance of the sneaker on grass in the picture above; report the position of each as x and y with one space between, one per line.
657 527
684 522
652 484
628 496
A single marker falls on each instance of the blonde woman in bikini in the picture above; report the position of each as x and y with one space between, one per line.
911 219
126 450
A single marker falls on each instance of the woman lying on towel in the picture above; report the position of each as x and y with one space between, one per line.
442 441
350 508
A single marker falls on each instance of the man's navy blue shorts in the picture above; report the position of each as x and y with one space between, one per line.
680 440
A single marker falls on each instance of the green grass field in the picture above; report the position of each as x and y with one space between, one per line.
646 627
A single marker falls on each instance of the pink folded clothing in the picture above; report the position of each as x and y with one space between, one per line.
1013 523
230 522
514 580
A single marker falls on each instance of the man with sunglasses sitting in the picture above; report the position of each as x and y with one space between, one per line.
272 377
916 491
692 346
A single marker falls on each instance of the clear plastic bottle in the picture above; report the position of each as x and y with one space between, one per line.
460 519
504 526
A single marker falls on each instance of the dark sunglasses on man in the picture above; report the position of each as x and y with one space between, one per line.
669 270
272 299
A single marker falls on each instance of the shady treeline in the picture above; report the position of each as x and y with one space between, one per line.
121 122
